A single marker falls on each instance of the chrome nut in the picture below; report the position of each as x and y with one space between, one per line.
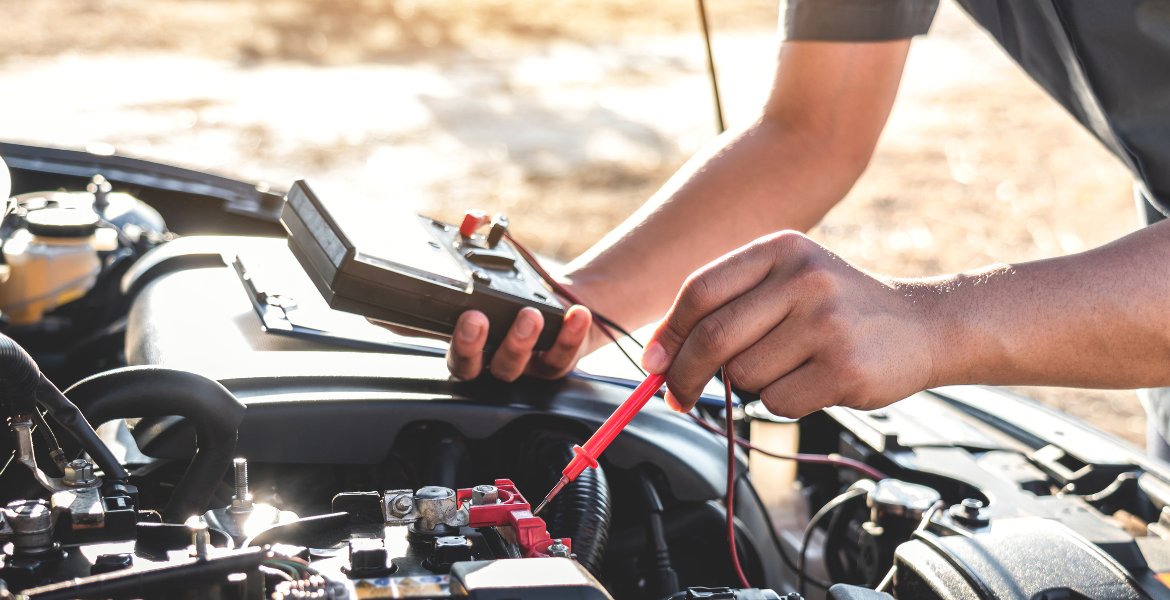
558 549
484 494
79 472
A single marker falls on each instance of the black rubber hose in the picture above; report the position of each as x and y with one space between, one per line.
21 385
19 375
663 579
135 392
581 511
67 414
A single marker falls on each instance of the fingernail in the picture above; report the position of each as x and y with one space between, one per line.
525 326
653 357
469 330
577 321
673 402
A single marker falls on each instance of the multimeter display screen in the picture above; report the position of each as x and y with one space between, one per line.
388 237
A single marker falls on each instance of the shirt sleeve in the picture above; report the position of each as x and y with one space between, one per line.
855 20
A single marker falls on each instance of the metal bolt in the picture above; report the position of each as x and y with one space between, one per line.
484 494
242 500
200 536
403 504
79 472
558 549
969 513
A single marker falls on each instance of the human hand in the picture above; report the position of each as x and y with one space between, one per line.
514 357
798 324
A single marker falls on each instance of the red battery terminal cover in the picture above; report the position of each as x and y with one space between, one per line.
512 510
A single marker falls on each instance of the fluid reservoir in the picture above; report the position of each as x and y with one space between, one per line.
773 478
52 262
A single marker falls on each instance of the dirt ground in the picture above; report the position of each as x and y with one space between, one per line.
567 114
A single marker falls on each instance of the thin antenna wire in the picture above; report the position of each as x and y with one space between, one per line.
711 65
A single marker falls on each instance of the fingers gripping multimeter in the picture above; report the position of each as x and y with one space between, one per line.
381 262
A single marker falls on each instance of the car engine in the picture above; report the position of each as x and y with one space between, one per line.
189 419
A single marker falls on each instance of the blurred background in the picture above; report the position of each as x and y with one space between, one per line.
565 114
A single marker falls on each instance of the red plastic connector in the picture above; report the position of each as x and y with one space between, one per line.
512 510
472 220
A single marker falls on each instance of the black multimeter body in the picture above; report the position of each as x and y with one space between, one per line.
381 262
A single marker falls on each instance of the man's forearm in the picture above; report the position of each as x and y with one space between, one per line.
829 104
744 185
1096 319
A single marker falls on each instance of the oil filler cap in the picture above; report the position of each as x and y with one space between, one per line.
62 222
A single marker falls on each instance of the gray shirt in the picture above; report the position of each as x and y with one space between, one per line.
1106 61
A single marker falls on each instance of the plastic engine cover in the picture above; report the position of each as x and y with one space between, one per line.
1020 559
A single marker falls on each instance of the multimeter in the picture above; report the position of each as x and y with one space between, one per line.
380 261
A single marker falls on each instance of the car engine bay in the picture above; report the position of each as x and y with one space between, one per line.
190 419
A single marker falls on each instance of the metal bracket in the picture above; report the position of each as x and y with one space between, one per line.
22 436
84 506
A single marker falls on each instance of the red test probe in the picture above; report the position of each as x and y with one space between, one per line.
587 456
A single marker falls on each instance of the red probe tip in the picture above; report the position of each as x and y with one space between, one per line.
556 490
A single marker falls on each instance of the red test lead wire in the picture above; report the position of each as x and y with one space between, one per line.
587 456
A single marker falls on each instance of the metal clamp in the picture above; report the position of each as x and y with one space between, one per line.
438 506
398 507
429 507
